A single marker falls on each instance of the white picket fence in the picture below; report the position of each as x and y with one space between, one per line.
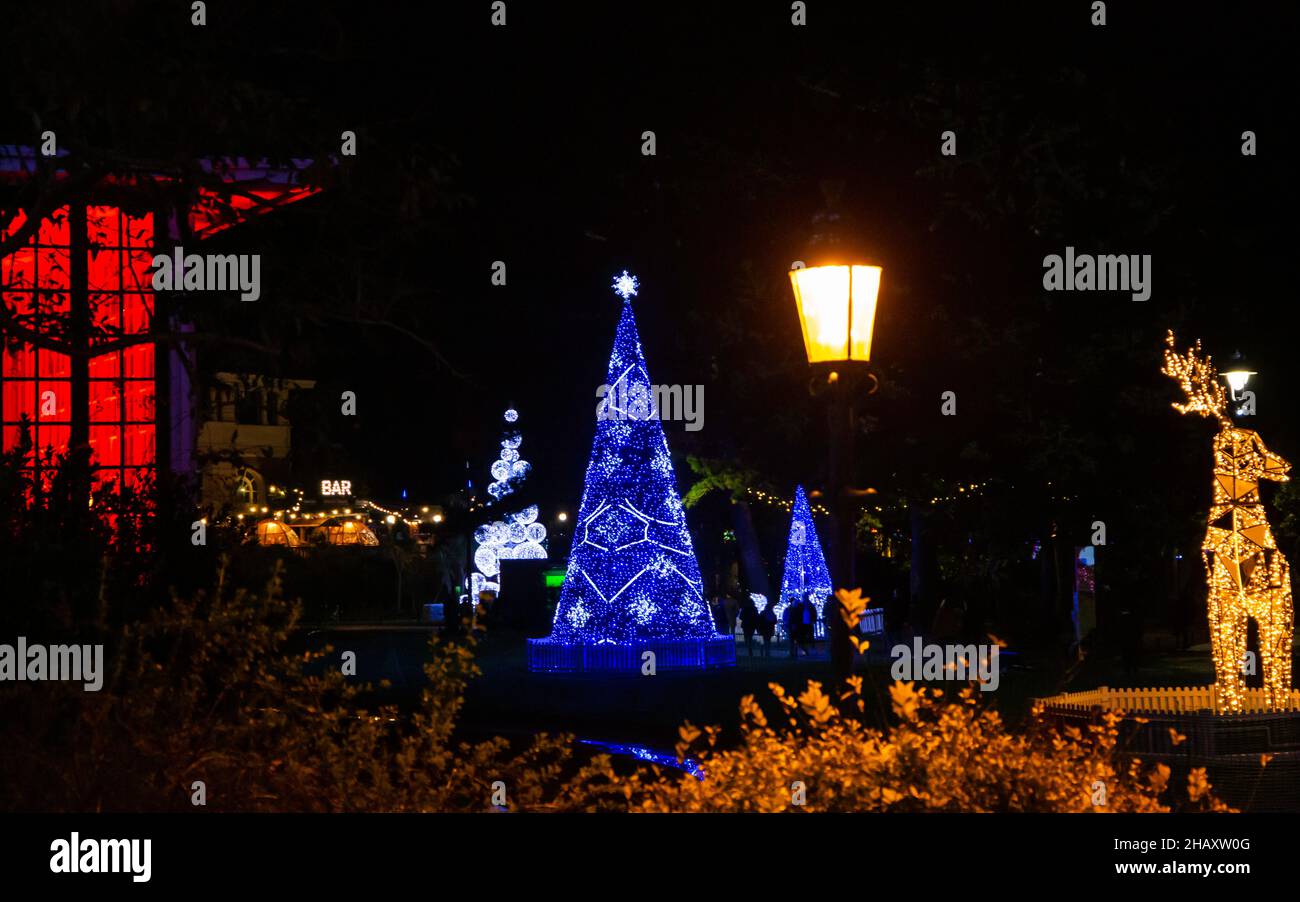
873 622
1162 699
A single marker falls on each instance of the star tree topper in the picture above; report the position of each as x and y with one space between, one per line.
625 286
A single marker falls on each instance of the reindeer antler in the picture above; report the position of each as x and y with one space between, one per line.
1198 378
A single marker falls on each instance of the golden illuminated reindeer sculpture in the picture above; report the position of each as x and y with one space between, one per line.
1248 576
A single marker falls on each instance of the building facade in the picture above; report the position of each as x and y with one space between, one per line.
244 442
93 359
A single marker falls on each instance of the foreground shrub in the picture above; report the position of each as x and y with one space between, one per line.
207 690
939 755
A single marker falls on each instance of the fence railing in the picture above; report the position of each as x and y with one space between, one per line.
873 621
1165 699
627 657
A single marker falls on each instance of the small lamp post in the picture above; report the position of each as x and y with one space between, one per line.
836 300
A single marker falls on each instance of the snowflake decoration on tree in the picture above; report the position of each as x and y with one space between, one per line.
644 609
625 286
578 615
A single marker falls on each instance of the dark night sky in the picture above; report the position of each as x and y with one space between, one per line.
541 123
750 114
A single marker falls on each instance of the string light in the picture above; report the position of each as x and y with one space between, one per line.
395 515
778 501
1247 575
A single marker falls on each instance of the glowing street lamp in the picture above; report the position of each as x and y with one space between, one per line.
1238 373
836 301
837 310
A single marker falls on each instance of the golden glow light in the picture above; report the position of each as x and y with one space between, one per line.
273 532
1248 576
837 310
1237 379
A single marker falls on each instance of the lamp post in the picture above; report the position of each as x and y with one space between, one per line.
836 301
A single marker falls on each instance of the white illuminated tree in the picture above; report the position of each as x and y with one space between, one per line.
516 536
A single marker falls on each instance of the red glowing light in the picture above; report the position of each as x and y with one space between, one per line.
36 285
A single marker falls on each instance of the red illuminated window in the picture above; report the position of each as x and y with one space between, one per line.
36 283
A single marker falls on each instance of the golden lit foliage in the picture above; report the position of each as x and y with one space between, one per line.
209 690
851 607
938 756
212 690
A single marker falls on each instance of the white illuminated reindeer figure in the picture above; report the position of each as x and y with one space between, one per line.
1248 576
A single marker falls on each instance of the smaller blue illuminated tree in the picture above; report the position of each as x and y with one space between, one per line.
806 574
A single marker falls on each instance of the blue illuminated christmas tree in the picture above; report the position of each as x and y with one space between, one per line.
805 574
633 584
